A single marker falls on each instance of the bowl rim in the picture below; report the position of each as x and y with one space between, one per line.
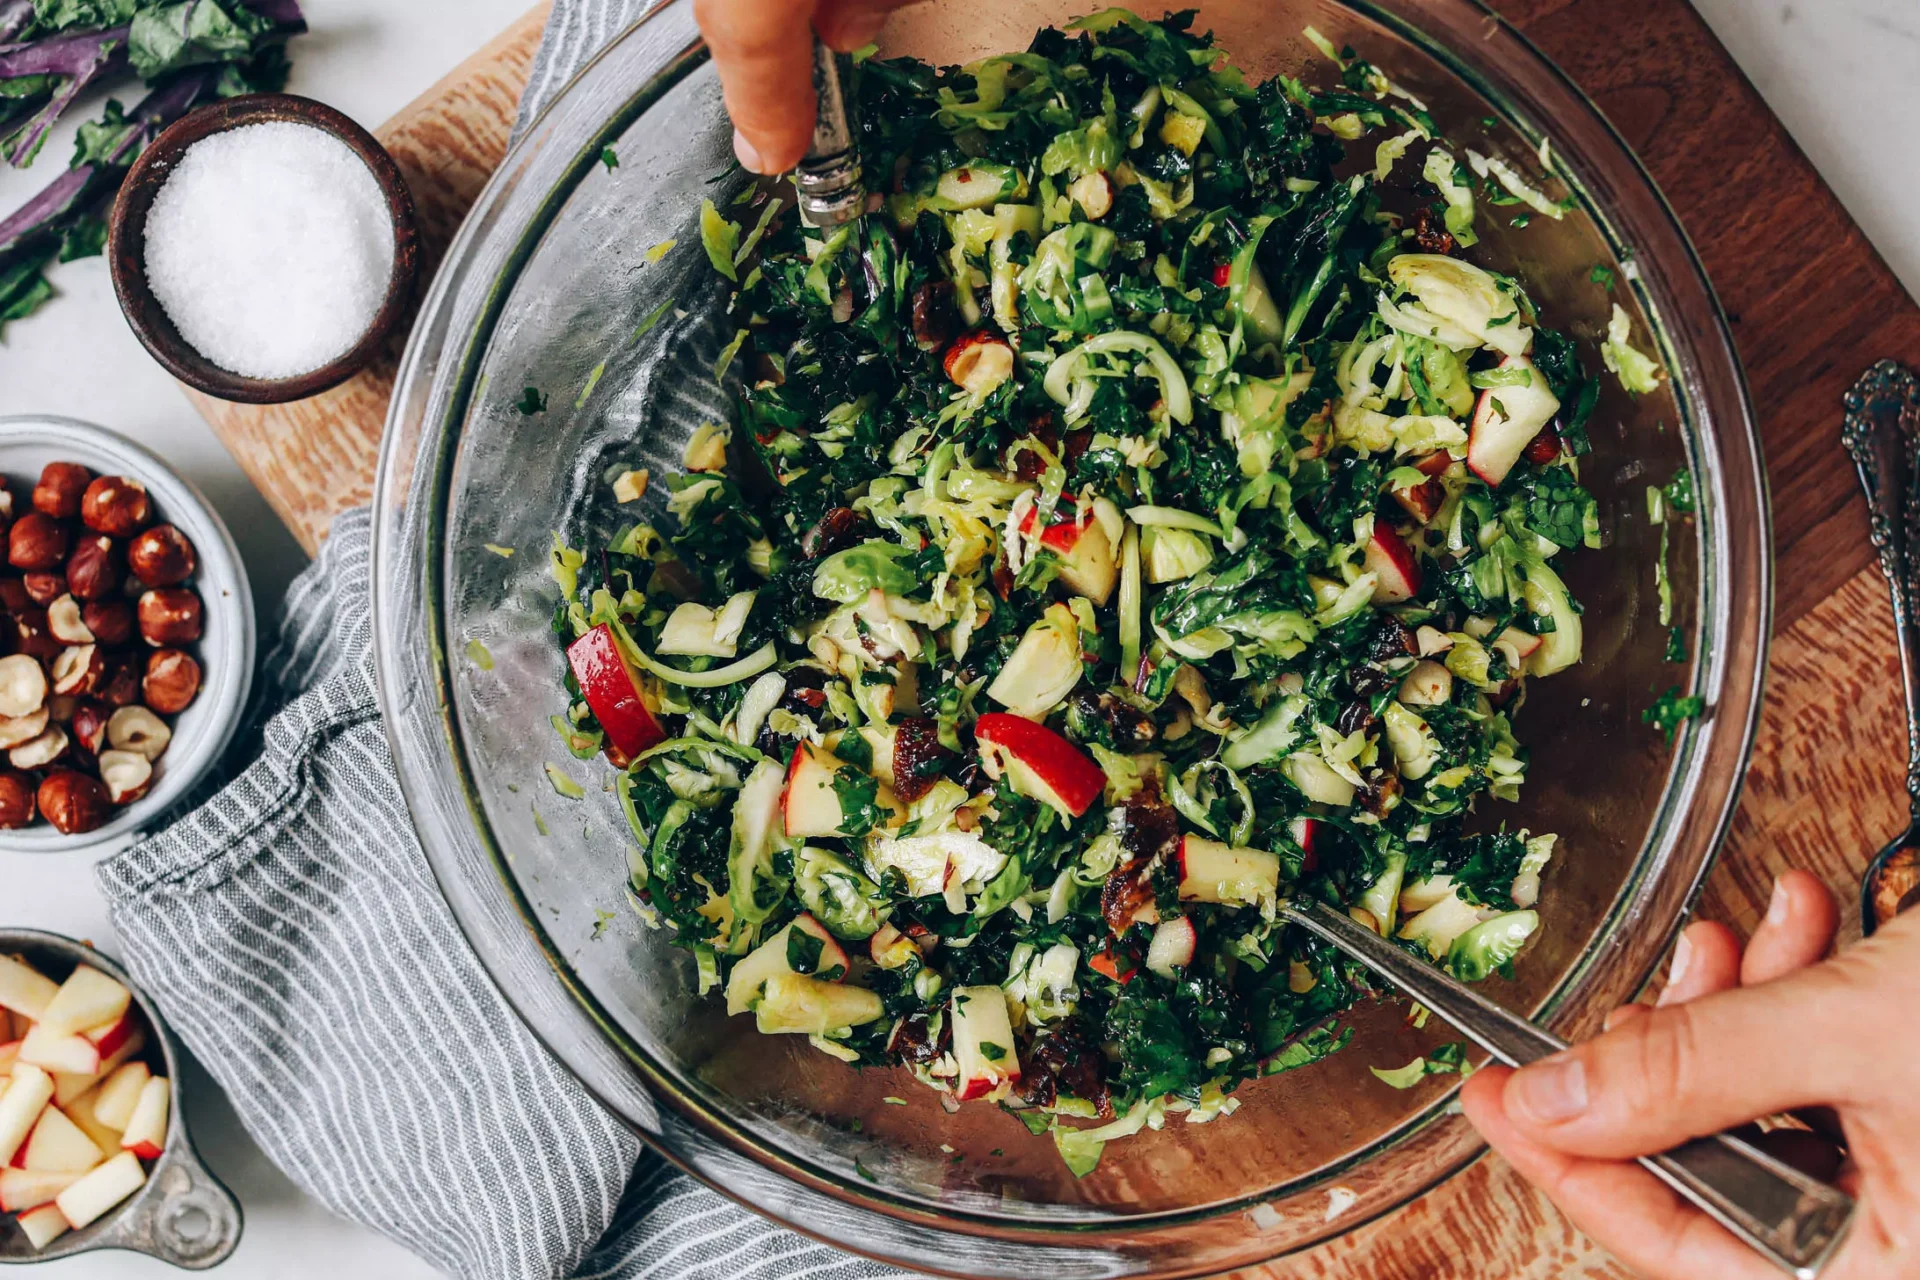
179 1180
227 677
126 247
441 373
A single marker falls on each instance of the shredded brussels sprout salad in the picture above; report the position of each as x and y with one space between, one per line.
1128 521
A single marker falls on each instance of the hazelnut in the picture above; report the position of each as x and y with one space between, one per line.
23 686
73 802
33 636
110 621
79 669
44 588
115 505
41 751
138 729
127 774
22 730
13 595
121 687
68 624
94 570
173 680
160 557
37 542
60 707
170 616
60 489
91 727
16 799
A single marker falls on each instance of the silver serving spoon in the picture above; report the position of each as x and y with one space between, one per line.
1790 1218
831 187
1882 434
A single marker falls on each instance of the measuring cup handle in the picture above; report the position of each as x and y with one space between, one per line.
185 1217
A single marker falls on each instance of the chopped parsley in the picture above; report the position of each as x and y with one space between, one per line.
1671 710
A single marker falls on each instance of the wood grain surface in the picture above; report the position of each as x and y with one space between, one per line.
1812 306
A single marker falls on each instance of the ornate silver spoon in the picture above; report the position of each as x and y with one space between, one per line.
1792 1219
1882 433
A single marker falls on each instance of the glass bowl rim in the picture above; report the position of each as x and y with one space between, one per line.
438 382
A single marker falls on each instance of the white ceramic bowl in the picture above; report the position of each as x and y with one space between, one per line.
227 643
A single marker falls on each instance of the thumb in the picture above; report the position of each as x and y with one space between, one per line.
764 52
1692 1069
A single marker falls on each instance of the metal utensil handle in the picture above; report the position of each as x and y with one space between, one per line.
1881 433
829 180
1782 1213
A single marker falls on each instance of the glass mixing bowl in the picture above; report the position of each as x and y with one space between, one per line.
551 285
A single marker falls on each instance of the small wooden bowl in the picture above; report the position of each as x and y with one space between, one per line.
127 248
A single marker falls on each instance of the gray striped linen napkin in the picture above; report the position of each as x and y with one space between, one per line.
293 934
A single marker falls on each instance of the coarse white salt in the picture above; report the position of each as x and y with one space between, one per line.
270 247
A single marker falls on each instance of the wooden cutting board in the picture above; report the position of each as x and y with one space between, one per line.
1812 307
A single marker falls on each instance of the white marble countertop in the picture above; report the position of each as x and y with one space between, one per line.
1815 61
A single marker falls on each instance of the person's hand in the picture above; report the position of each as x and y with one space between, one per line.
764 50
1737 1035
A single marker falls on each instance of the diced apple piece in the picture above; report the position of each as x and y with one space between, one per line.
1214 872
68 1086
1423 893
1397 573
1040 763
58 1145
74 1054
1172 946
81 1112
109 1037
29 1090
114 1104
24 1189
799 1005
146 1134
1087 562
745 983
87 1200
88 998
43 1226
611 687
810 806
1043 668
23 989
983 1043
1506 420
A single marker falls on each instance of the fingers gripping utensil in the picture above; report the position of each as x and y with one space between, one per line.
830 183
1792 1219
1882 433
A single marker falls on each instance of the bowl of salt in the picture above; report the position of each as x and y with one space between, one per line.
264 248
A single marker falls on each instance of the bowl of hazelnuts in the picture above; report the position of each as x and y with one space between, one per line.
126 636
